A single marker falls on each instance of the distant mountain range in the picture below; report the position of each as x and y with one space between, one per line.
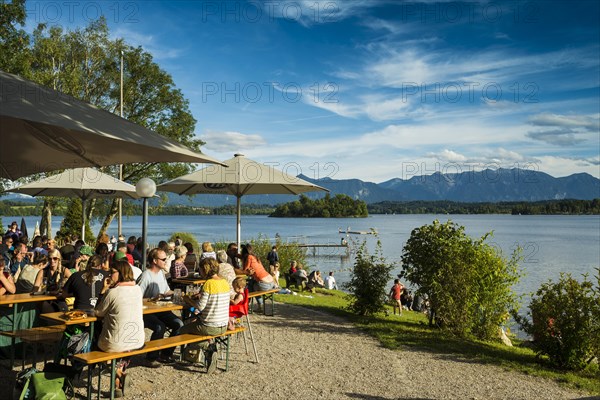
481 186
473 186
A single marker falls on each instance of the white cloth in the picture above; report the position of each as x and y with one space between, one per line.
330 282
123 325
136 272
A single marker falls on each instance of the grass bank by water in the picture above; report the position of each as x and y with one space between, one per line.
412 330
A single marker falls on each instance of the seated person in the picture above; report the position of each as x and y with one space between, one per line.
239 289
191 259
254 268
122 323
178 268
154 285
7 285
211 306
330 282
300 276
86 286
315 280
207 251
50 280
29 273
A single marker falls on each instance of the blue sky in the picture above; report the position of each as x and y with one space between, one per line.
375 90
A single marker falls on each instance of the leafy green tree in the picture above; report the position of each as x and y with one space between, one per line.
71 223
467 282
368 281
85 63
339 206
565 321
14 42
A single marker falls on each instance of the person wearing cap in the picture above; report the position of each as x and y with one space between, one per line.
85 252
120 255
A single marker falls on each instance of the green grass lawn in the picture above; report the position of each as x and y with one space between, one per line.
412 330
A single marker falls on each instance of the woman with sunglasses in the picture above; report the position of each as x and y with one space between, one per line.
122 325
54 274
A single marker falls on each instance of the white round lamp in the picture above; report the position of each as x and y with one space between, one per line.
145 188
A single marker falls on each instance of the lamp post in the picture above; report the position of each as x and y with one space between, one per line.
145 188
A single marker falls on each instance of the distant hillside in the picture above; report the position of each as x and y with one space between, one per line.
481 186
497 185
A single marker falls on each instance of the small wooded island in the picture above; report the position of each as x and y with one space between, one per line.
339 206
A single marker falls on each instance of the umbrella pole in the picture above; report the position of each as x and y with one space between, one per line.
239 221
83 219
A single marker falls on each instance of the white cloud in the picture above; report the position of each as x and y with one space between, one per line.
313 12
231 142
149 42
565 130
563 166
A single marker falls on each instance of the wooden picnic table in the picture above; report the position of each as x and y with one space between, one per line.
149 307
14 300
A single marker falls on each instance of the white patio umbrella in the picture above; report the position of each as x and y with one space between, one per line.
240 177
84 183
43 130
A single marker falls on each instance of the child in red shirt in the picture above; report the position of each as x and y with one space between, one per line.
395 294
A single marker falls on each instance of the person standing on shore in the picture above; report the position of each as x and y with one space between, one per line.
396 295
273 258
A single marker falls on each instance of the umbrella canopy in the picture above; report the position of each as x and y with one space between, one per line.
240 177
84 183
43 130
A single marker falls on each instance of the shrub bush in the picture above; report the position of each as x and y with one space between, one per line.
565 321
468 283
185 238
368 281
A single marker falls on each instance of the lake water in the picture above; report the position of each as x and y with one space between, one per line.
551 244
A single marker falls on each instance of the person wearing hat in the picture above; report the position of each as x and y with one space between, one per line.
85 252
120 255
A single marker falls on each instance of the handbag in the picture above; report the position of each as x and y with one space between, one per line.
49 386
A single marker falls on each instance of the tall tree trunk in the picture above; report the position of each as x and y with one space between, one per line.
89 210
46 223
114 210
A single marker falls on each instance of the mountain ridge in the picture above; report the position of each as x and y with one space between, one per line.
472 186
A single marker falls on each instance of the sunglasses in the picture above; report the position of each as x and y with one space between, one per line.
55 258
163 259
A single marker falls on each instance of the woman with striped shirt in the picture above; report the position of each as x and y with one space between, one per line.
211 307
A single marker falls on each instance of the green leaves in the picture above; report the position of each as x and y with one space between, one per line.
369 280
467 282
565 321
338 206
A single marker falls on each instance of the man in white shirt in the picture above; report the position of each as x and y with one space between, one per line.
154 285
330 282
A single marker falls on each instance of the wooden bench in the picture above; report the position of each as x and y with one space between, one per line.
93 358
34 336
265 294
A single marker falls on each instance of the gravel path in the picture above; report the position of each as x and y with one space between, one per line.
310 355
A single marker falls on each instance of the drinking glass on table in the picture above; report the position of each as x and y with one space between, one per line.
177 296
